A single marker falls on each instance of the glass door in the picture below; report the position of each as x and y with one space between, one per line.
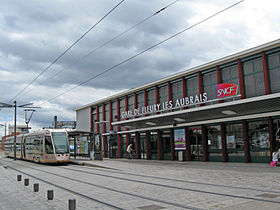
196 143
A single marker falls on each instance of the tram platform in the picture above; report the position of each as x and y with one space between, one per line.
123 163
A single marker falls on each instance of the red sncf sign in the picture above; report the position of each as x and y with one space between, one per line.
225 90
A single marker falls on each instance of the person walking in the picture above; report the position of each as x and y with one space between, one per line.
275 157
129 151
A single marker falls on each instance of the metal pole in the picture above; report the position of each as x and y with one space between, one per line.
15 130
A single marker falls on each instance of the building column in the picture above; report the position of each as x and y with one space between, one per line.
157 96
272 137
97 120
241 79
147 145
188 144
135 103
137 145
118 130
91 119
145 100
184 90
246 141
169 93
172 146
204 143
224 143
200 84
159 145
104 131
266 74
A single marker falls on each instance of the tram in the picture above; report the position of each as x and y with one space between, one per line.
42 146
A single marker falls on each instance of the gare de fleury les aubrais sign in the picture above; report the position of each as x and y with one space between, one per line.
223 90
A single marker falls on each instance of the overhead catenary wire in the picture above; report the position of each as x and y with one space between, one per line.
147 49
65 51
104 44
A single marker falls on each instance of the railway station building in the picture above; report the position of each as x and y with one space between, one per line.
227 110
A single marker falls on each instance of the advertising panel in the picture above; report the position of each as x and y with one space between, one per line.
179 139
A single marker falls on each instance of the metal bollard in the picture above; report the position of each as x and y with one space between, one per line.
50 194
19 178
72 204
26 182
36 187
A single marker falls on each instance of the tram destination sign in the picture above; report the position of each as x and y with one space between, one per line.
167 105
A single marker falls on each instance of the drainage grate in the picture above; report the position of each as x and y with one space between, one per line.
151 207
267 195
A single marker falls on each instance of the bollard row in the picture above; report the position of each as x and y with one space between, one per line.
50 193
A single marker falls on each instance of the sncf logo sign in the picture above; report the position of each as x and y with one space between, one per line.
225 90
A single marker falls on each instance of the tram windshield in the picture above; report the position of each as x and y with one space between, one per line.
60 142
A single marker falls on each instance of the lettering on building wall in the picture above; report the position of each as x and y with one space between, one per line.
167 105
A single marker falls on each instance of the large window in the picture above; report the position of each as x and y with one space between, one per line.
153 146
151 98
235 142
115 114
94 118
210 85
140 101
177 91
259 141
60 142
122 110
274 71
214 143
192 87
253 78
163 95
131 103
230 75
107 115
166 145
100 108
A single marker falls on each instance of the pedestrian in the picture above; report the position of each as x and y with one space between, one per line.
129 151
275 156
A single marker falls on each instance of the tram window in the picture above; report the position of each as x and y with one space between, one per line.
48 145
60 142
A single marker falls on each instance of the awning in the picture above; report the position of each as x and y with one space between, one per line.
229 110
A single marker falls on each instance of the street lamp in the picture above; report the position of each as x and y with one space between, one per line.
5 105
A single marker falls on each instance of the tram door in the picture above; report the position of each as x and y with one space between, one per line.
196 143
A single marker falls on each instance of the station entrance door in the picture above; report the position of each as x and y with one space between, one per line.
195 135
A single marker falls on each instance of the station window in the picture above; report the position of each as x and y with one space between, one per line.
131 102
94 118
140 101
274 71
107 116
151 99
259 141
114 113
210 85
235 142
214 143
192 87
177 91
253 78
100 119
163 95
229 75
122 110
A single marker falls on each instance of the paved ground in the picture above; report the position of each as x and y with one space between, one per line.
199 185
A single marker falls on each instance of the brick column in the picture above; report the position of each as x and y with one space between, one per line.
145 100
97 120
266 74
147 145
188 144
91 119
200 85
118 130
135 103
137 145
157 96
169 93
241 79
246 141
224 145
204 143
104 130
159 145
184 89
172 146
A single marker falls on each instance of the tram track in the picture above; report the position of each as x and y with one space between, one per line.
169 179
154 184
95 185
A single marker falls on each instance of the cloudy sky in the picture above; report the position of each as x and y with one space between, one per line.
33 33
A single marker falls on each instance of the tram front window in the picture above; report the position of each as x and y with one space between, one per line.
48 145
60 142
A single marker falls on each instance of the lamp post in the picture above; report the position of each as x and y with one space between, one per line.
5 105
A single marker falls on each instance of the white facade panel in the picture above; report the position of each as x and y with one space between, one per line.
83 119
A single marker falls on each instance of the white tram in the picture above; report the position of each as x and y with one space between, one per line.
43 146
